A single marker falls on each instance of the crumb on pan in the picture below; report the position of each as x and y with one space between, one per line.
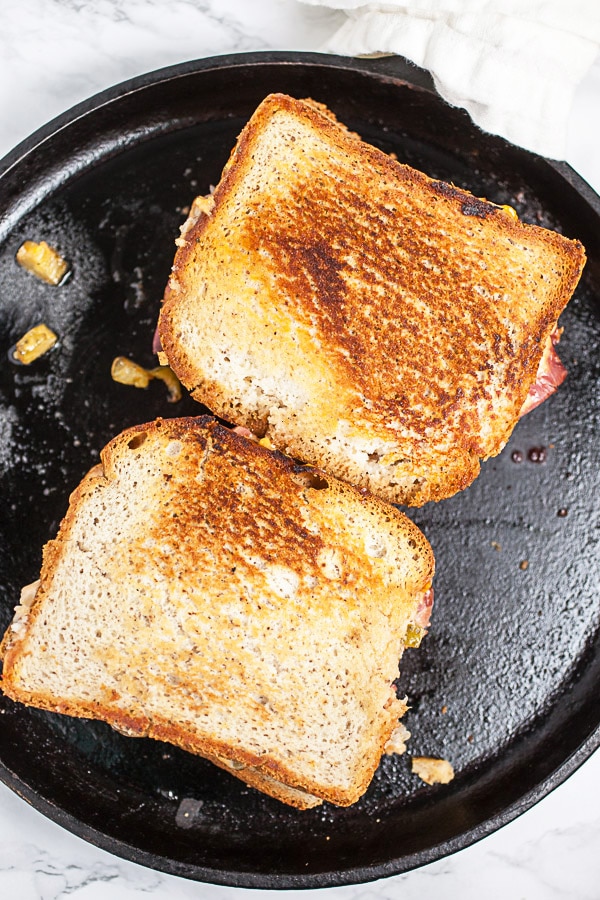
432 770
397 741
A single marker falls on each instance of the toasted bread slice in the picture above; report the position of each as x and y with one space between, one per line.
206 591
366 318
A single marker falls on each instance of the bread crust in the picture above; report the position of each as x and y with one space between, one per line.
316 302
160 619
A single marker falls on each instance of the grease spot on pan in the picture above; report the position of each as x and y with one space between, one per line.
188 812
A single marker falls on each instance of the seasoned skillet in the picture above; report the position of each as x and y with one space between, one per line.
505 685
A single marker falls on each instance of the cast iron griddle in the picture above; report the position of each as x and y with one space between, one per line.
505 686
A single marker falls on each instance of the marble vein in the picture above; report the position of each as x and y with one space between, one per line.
53 877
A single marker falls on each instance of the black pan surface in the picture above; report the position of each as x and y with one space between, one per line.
505 686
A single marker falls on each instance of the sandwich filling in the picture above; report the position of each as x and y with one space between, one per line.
550 374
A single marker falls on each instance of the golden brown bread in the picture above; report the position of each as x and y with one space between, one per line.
205 591
368 319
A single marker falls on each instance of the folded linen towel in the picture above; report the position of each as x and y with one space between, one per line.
514 65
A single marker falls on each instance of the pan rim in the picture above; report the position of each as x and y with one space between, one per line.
285 881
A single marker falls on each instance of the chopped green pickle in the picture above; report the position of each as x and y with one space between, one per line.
125 371
34 344
414 636
164 373
42 261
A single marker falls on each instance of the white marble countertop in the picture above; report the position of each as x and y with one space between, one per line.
54 53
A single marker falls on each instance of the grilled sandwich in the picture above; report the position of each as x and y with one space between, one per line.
368 319
205 591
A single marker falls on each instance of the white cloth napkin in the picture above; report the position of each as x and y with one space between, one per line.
514 65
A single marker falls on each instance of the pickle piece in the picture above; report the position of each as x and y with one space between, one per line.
42 261
414 636
33 344
126 371
166 374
